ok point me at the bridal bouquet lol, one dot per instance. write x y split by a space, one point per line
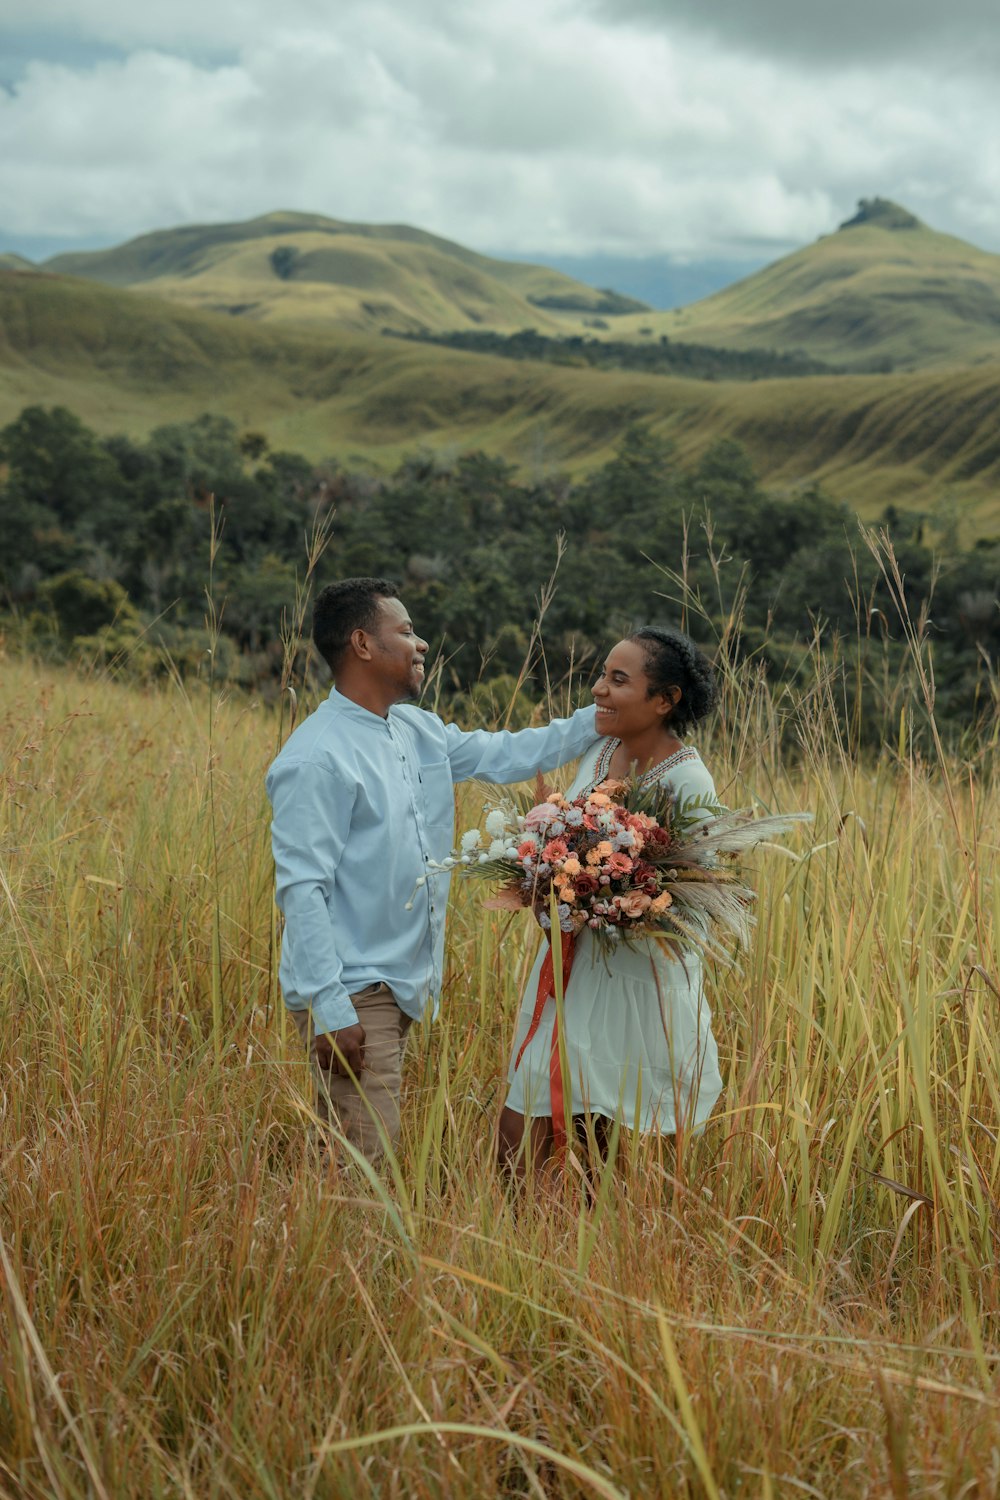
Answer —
623 861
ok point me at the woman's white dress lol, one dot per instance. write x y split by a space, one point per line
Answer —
637 1024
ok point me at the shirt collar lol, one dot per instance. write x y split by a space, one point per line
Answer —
344 705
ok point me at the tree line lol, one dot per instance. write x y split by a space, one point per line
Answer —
661 356
105 547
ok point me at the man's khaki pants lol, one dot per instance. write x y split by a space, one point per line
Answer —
348 1106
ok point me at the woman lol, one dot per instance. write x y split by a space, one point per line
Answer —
637 1026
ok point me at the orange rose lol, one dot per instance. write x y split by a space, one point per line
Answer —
612 785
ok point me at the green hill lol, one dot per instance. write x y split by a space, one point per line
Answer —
302 268
883 289
882 292
12 262
127 362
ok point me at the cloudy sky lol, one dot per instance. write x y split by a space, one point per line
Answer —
699 131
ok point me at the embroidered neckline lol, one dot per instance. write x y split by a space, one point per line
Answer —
686 752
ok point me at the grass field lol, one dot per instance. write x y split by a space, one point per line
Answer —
803 1301
126 362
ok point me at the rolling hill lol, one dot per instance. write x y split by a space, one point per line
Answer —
883 289
129 362
305 269
883 292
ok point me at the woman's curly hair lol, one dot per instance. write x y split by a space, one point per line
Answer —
672 660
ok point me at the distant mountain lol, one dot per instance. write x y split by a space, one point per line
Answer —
660 281
11 262
883 291
303 268
128 362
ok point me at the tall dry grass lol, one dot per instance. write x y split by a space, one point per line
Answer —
804 1300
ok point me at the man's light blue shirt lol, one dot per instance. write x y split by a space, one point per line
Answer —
362 805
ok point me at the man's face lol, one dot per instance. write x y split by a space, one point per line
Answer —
397 651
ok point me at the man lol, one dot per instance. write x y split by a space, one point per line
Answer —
363 806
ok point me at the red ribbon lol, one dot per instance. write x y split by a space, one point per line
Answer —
546 989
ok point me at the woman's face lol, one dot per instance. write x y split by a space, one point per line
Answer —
624 707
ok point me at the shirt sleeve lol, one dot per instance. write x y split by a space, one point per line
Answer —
311 818
516 755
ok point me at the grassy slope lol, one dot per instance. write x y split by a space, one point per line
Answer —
913 296
354 275
128 362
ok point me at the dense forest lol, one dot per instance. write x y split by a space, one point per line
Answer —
107 554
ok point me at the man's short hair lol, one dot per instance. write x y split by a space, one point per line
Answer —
344 607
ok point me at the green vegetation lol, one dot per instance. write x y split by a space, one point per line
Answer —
129 363
883 212
665 357
804 1299
97 538
609 303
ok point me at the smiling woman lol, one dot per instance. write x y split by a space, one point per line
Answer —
655 685
638 1038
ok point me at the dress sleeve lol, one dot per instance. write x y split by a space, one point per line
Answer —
691 781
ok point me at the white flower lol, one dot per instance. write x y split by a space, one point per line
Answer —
511 851
484 859
498 849
496 823
470 840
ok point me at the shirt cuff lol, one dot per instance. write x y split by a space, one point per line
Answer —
333 1014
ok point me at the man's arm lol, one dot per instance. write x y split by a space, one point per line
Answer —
515 756
312 816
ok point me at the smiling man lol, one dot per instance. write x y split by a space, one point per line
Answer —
363 806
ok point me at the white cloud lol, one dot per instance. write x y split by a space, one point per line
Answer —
526 125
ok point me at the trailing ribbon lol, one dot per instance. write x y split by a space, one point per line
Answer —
546 989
